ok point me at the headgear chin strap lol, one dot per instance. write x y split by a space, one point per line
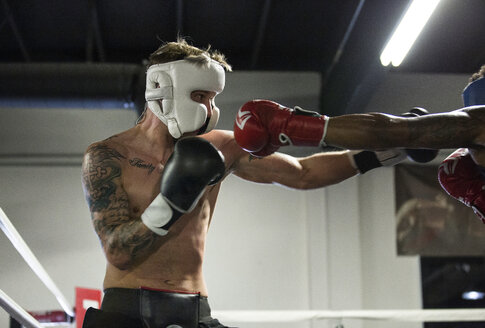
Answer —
173 83
474 93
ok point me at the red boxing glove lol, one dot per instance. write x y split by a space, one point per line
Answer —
461 178
262 126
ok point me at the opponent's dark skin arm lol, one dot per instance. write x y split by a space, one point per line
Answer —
123 237
460 128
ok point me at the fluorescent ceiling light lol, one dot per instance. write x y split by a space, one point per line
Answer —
407 31
473 295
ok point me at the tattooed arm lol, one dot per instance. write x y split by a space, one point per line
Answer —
124 238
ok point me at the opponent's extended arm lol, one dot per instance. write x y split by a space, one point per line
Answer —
194 165
262 126
374 131
463 179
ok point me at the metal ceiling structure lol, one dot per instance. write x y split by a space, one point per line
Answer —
83 51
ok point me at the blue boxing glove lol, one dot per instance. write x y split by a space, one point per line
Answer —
194 164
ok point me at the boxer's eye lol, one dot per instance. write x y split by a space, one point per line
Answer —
198 96
202 96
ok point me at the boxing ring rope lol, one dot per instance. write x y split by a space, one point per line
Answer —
281 316
19 314
441 315
29 257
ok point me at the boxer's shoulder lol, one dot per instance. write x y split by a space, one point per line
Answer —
218 137
475 120
108 149
224 141
478 155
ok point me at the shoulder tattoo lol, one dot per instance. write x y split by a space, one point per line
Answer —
100 169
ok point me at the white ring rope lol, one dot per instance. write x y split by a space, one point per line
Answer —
15 311
441 315
431 315
29 257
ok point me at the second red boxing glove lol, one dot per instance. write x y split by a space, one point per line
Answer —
262 126
461 178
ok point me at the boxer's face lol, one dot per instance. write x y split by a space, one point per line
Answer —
206 98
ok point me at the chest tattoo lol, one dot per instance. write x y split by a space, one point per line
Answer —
137 162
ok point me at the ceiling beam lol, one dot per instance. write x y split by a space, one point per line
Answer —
179 11
93 37
15 30
352 81
343 42
260 35
71 85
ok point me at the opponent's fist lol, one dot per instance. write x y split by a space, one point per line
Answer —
461 178
262 126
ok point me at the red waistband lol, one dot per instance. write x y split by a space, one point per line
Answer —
170 291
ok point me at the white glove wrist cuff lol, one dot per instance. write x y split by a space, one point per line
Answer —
157 215
351 154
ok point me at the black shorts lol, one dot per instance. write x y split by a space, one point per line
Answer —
149 308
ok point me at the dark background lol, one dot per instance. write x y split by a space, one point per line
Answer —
342 40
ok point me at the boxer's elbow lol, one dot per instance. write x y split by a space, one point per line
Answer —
122 260
324 169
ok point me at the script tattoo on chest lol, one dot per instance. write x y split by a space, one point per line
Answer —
137 162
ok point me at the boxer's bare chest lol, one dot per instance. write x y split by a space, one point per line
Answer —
140 175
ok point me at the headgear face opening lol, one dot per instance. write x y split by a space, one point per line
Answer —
173 83
474 93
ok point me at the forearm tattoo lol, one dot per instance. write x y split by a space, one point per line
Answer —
109 204
251 158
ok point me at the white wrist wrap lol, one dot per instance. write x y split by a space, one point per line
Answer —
351 154
325 127
157 215
391 157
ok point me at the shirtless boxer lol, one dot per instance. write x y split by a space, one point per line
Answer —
262 126
152 190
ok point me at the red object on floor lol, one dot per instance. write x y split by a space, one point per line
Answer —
50 316
86 298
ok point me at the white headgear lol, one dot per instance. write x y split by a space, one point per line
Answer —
173 82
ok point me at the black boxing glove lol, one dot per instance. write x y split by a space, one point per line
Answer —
194 164
420 155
